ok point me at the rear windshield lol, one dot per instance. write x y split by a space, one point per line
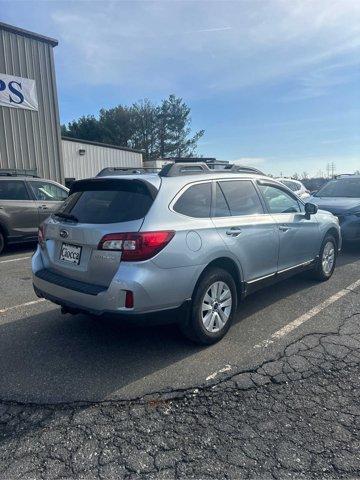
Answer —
108 202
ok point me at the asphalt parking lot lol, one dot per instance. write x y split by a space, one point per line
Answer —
50 357
86 382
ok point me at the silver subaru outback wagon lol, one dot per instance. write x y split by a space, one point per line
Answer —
188 239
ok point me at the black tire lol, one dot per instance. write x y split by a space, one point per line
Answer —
194 328
320 272
2 242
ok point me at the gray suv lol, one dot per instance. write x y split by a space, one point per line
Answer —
188 238
25 202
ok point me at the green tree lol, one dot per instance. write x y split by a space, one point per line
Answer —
86 128
144 128
160 130
174 124
162 122
117 126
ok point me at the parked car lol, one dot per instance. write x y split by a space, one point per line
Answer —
189 239
341 197
296 186
25 202
314 184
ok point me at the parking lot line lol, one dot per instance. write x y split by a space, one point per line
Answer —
308 315
27 304
14 259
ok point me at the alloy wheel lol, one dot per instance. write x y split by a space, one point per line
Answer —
216 307
328 257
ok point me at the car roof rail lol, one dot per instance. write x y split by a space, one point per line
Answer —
244 169
127 171
18 172
184 168
196 168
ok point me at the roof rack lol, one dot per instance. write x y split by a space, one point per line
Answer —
127 171
233 168
17 172
178 169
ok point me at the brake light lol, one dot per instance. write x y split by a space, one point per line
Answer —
41 236
136 246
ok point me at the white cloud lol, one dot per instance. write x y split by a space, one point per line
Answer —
206 47
321 81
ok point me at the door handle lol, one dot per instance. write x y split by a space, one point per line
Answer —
233 231
284 228
44 207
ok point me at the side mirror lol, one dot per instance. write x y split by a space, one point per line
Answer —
310 209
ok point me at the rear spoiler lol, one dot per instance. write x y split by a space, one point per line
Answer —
104 184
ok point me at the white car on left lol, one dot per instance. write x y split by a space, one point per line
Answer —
297 187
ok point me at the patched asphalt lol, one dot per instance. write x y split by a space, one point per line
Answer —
297 416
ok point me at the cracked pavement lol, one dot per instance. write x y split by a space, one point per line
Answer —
77 401
295 416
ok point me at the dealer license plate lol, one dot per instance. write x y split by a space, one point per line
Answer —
70 253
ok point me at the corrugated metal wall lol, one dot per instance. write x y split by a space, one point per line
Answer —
30 139
95 159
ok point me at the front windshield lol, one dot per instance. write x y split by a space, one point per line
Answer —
346 187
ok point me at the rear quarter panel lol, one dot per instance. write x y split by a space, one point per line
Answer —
196 242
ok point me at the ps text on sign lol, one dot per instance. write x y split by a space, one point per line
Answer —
18 92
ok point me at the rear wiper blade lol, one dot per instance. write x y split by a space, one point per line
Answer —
67 216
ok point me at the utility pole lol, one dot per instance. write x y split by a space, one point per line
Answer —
328 170
333 166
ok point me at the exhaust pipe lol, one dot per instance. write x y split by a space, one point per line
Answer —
71 311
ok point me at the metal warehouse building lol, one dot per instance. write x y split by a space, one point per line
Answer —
30 137
29 116
84 159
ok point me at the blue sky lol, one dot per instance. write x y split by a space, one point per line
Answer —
274 83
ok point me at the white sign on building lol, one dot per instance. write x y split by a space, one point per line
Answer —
17 92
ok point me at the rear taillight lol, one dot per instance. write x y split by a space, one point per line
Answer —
41 236
136 246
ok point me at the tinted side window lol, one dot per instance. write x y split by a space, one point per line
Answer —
279 201
241 197
195 201
48 191
13 190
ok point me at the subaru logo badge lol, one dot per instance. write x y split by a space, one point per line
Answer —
64 233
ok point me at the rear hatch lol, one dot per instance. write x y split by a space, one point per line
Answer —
95 208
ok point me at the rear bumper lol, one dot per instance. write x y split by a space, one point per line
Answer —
159 317
155 289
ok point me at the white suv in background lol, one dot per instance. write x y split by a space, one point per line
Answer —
296 186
